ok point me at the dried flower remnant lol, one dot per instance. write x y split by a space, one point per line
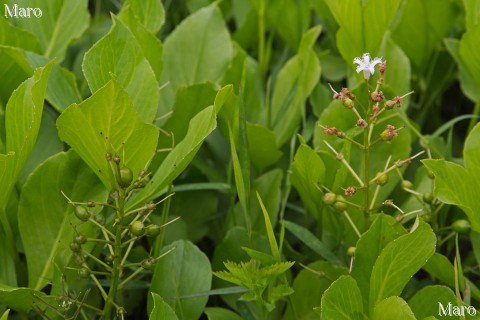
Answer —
389 133
366 65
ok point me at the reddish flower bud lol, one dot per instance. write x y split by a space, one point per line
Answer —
362 123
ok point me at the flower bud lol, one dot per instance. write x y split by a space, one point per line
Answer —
340 205
377 96
407 184
329 198
381 179
361 123
350 191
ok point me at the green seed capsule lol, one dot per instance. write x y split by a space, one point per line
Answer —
407 184
109 258
148 264
137 228
152 230
428 197
329 198
382 179
80 239
126 176
78 258
340 205
82 213
461 226
351 251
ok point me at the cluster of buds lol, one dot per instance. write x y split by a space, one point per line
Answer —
345 96
389 133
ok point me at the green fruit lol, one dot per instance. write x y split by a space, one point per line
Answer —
148 264
381 179
78 259
427 197
109 258
329 198
351 251
84 272
461 226
82 213
126 176
80 239
340 205
152 230
407 184
75 247
137 228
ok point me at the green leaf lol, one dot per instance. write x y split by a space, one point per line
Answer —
309 285
392 308
383 230
45 214
294 83
422 19
307 175
240 183
262 146
18 299
454 184
469 55
221 314
342 300
13 71
151 46
399 261
5 315
16 37
198 50
312 242
119 55
22 122
161 310
62 22
184 271
149 12
107 122
426 301
177 160
271 236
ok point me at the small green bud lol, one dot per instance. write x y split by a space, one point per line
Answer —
75 247
84 272
126 176
78 258
329 198
109 258
137 228
80 239
148 264
461 226
347 103
427 197
82 213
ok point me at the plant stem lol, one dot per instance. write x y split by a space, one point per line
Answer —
366 156
261 38
117 248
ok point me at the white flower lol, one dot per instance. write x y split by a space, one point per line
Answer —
365 65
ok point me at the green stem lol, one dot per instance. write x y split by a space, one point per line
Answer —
117 248
366 178
474 120
261 38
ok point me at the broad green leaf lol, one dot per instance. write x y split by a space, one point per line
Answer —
426 301
312 242
399 261
262 146
342 300
309 286
383 230
198 50
471 13
392 308
363 25
184 271
177 160
47 145
397 77
18 299
216 313
45 214
439 267
151 46
468 53
454 184
118 55
149 12
307 176
294 83
14 69
107 122
62 88
467 83
62 22
422 18
161 310
16 37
